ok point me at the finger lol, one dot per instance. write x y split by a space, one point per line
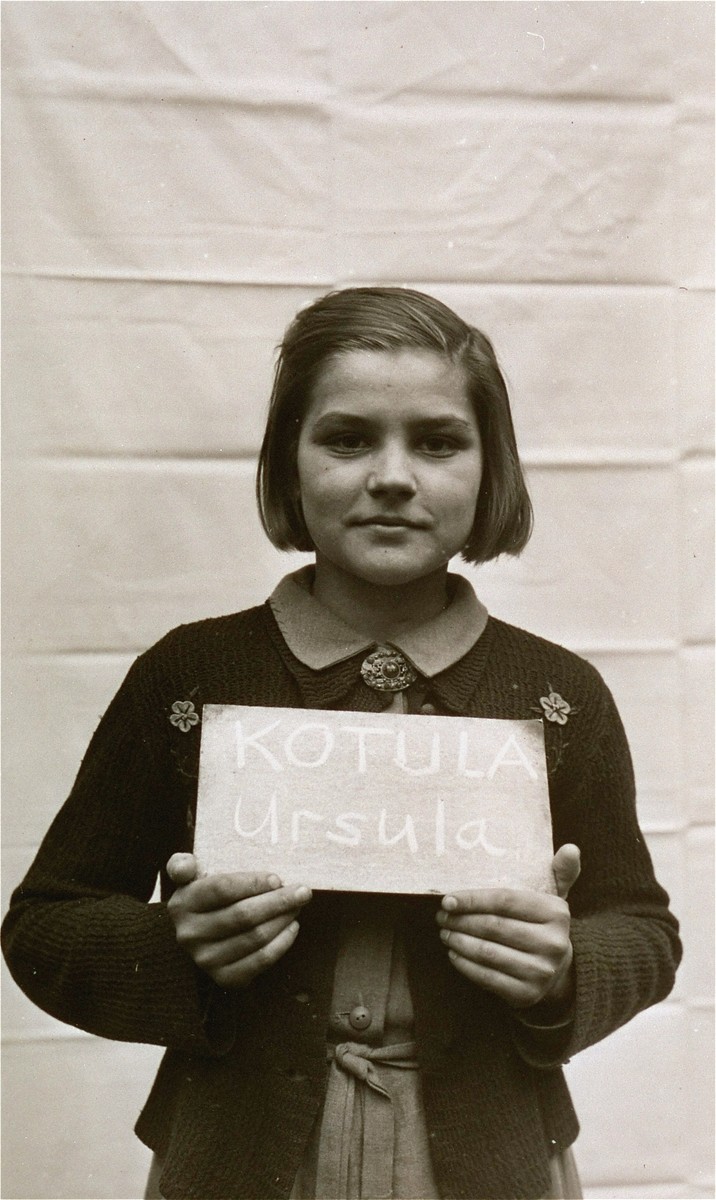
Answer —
240 974
232 950
566 866
182 869
521 905
220 891
533 969
515 992
529 936
241 917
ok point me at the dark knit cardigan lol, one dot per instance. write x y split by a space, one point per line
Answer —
244 1074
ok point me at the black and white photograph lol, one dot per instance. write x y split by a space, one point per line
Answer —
358 600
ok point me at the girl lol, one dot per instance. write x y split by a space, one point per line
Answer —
342 1045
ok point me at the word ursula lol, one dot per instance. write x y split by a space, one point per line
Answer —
355 827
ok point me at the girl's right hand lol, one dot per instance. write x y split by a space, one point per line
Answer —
233 926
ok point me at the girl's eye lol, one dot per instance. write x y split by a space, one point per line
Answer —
347 443
439 446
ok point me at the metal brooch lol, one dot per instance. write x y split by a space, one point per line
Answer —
387 670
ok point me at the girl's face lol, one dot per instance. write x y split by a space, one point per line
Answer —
389 464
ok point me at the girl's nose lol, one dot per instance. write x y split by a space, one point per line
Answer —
392 471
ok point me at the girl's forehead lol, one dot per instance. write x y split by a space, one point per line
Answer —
375 374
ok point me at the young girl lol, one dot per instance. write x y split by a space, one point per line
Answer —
342 1045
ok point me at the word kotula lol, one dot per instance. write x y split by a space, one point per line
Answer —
311 745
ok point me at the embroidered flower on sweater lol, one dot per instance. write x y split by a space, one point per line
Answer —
555 708
184 715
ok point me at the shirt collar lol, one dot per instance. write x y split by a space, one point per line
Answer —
320 639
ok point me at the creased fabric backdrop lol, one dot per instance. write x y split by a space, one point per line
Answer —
179 179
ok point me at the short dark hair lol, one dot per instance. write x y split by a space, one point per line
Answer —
391 319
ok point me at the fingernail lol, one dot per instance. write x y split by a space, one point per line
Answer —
441 917
294 928
302 894
274 882
445 935
449 903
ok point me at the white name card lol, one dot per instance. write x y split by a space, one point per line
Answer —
374 802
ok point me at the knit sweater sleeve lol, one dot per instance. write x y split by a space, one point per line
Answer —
81 937
625 939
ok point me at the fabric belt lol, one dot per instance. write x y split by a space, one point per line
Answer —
369 1109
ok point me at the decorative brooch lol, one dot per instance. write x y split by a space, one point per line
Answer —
555 708
184 715
387 670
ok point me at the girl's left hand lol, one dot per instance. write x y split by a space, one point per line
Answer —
514 943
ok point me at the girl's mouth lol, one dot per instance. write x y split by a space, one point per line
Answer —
385 521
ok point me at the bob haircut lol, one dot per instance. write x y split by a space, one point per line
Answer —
391 319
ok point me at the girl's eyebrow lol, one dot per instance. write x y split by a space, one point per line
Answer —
336 417
446 424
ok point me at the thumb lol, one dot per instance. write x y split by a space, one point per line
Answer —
182 869
566 868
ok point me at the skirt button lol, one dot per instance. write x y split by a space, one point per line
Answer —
360 1017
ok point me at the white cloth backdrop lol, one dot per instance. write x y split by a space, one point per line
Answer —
179 179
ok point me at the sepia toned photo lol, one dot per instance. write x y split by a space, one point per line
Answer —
358 600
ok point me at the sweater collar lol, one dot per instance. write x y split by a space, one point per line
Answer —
320 639
339 685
